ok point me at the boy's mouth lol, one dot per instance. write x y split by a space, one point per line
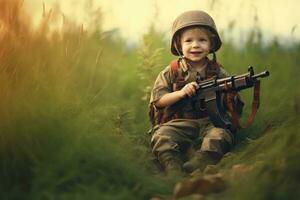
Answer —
195 52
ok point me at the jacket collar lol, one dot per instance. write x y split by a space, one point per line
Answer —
184 65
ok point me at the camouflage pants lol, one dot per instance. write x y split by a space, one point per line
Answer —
182 134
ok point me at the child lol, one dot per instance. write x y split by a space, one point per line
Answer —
176 129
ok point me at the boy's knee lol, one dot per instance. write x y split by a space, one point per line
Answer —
162 143
217 140
219 134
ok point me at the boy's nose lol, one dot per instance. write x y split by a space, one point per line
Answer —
195 45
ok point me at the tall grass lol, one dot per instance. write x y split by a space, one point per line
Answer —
62 113
271 142
73 112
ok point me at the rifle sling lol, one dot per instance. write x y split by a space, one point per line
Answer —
230 106
255 106
255 103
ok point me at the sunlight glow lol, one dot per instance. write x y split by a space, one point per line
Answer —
133 17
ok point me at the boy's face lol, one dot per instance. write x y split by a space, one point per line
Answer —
195 44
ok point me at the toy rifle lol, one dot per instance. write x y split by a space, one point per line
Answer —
210 91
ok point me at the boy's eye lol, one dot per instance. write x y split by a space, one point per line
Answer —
188 40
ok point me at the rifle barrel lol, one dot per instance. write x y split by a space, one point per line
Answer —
262 74
231 80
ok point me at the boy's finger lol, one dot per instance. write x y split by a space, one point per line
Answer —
193 90
195 85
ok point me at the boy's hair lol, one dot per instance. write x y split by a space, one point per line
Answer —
211 36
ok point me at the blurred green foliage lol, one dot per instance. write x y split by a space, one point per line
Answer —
74 122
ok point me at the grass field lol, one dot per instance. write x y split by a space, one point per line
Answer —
73 113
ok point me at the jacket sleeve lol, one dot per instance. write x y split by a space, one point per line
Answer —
162 85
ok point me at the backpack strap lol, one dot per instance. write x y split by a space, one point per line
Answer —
176 75
174 67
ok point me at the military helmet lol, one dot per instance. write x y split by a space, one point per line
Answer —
194 18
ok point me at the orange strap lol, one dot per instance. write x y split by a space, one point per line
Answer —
177 76
174 71
230 103
174 66
255 106
255 103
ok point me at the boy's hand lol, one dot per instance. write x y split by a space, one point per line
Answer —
189 89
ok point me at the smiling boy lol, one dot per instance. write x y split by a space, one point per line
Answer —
177 129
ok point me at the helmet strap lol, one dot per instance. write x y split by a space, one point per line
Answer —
182 57
177 50
214 57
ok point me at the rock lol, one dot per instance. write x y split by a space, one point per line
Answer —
228 154
211 169
193 197
199 185
157 197
240 170
197 197
196 173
